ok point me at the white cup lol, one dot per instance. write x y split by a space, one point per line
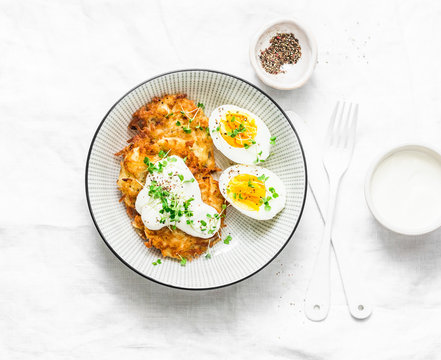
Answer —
403 189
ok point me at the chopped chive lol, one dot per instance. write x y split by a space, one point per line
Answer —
178 123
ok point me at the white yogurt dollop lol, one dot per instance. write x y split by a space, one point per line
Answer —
406 190
184 195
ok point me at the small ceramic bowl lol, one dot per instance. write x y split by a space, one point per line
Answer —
296 75
407 199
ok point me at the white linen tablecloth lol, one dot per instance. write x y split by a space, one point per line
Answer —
65 296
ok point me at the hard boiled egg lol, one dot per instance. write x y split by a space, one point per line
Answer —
240 135
254 191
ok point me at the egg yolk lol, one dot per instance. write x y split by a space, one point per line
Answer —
246 191
238 130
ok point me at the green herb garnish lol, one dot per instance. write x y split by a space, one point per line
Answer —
162 154
273 140
273 191
237 131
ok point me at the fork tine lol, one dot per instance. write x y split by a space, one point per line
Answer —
340 127
331 126
346 124
353 127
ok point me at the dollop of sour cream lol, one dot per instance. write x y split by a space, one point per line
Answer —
406 190
173 191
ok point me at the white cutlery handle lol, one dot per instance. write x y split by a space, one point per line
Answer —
318 294
359 307
317 298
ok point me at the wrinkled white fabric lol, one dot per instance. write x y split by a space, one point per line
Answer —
64 295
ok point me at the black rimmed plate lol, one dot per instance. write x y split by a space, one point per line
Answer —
255 243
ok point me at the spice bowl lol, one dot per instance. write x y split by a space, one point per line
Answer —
292 76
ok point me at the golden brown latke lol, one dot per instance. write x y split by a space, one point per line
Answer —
156 129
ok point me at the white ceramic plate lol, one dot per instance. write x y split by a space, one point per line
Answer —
255 243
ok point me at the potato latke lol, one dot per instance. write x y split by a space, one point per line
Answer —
164 124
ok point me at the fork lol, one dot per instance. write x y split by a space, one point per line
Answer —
339 146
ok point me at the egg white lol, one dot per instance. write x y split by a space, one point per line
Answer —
240 155
277 204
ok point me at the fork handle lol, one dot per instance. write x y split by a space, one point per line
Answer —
357 300
317 298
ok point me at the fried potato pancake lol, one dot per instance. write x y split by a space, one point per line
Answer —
164 124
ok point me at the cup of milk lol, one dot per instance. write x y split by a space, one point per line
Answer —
403 189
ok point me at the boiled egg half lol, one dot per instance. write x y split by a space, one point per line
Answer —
254 191
240 135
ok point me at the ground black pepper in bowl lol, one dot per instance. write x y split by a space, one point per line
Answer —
284 49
